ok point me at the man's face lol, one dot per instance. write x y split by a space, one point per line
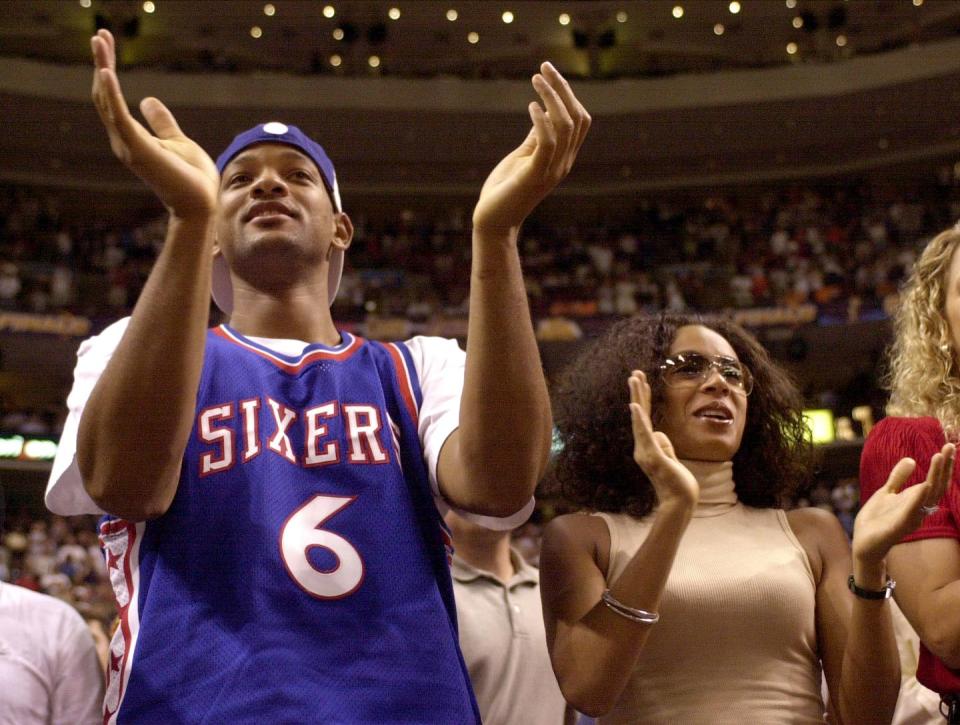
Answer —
274 208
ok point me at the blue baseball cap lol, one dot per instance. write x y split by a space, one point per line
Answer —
276 132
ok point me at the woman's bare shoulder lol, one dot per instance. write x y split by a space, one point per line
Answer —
819 533
579 532
813 519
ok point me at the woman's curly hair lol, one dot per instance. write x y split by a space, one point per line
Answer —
595 467
922 374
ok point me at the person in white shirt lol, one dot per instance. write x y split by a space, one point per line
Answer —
48 663
49 672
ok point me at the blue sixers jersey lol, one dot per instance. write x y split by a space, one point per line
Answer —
301 573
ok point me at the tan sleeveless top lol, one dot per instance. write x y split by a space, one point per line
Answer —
736 641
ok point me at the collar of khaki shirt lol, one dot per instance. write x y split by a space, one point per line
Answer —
523 573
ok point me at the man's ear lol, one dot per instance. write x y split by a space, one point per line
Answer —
216 249
343 231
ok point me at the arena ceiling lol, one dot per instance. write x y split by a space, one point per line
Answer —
389 152
601 39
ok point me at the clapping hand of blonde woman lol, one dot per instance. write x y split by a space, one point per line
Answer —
654 453
181 173
891 514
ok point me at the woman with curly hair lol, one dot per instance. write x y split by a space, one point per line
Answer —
690 595
924 416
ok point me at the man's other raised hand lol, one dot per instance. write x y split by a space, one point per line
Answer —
531 171
180 173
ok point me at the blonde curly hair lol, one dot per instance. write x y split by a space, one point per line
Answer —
922 376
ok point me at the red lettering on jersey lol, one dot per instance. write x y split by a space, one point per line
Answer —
250 411
223 437
317 430
363 426
280 442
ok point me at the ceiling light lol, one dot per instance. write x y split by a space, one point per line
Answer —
335 60
328 11
269 10
792 48
677 11
841 41
452 15
473 38
374 61
917 3
148 6
564 19
797 22
338 33
507 17
718 29
85 3
393 13
734 7
256 31
621 17
791 4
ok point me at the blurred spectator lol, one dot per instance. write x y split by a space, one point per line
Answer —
62 290
49 669
101 641
10 284
916 705
501 628
843 248
60 557
48 663
558 328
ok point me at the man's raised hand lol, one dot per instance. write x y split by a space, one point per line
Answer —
180 173
531 171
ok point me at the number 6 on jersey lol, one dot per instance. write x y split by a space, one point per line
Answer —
301 533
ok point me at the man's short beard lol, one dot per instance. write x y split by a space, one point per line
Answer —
274 264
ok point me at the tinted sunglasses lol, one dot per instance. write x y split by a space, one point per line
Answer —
693 368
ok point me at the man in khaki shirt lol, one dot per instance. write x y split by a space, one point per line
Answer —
501 629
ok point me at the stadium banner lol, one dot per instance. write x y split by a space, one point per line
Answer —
64 324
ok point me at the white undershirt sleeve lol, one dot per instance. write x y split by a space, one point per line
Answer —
65 492
440 365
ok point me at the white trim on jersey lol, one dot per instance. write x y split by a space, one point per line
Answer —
118 546
395 435
257 346
403 371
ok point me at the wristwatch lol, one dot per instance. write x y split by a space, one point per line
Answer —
884 593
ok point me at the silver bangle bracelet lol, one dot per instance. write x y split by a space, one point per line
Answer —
633 614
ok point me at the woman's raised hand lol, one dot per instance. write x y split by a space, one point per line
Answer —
891 514
653 451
